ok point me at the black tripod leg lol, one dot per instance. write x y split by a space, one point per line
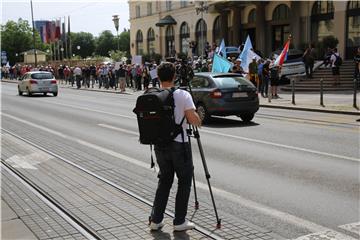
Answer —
197 136
195 193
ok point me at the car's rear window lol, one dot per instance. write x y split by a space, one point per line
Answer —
45 75
231 82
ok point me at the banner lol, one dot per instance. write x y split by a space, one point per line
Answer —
137 60
153 73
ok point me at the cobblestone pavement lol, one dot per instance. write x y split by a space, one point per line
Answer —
106 210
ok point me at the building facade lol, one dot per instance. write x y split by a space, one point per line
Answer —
169 27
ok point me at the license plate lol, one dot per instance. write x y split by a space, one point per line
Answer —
44 89
239 94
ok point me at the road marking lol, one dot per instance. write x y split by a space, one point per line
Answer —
352 227
283 216
281 145
118 129
17 161
249 140
326 235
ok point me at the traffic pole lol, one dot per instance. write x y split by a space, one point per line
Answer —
321 93
293 91
355 92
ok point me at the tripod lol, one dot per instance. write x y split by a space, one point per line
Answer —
193 131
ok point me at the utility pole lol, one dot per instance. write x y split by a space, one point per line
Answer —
32 17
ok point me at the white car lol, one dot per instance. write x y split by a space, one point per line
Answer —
38 82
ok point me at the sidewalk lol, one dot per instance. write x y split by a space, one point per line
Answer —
334 102
340 102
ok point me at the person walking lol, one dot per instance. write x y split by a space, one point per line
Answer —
265 79
253 71
77 74
175 158
309 60
335 67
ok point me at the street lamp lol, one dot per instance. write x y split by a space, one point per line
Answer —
201 7
62 53
116 23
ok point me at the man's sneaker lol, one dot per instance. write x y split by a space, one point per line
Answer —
187 225
156 226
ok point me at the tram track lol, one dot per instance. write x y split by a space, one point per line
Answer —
71 218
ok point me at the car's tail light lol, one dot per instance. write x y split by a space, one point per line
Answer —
33 82
53 81
216 94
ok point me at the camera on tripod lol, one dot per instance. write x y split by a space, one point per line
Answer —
184 73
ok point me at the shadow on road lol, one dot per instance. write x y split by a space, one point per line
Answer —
219 122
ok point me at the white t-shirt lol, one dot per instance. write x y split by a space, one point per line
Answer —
183 101
333 59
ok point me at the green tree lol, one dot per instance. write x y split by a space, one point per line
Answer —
16 37
124 41
105 43
86 42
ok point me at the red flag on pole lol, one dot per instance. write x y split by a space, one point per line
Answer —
283 55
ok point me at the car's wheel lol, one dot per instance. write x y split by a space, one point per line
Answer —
28 92
19 91
203 113
55 94
247 117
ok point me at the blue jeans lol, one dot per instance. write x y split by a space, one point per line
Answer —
173 158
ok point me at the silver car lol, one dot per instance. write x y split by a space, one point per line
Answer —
38 82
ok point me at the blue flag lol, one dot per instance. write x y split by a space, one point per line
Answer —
220 64
247 47
222 48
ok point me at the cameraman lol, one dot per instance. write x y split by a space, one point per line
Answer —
175 157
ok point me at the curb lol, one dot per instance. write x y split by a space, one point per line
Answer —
311 109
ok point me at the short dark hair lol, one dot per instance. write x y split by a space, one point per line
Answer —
166 72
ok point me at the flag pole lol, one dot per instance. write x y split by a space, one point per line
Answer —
32 18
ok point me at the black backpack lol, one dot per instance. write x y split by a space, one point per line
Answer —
338 61
155 115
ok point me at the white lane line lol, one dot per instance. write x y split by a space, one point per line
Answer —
352 227
282 145
282 216
118 129
233 136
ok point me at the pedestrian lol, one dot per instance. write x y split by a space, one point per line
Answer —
274 81
309 60
138 76
335 67
253 71
146 77
121 76
259 73
327 57
237 67
92 75
77 75
357 65
175 157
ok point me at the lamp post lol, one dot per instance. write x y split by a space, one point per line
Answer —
116 23
201 7
62 53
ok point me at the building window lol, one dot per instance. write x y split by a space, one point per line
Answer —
252 16
149 8
353 28
200 35
139 43
168 5
281 26
137 10
322 20
151 41
184 38
217 31
183 3
281 12
170 42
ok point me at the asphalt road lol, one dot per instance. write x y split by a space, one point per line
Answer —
292 172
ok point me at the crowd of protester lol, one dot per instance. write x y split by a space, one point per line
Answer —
138 76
